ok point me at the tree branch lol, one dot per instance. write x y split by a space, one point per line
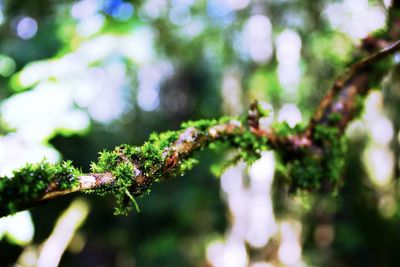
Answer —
129 171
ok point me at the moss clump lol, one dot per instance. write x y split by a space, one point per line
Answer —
306 173
135 168
201 125
334 118
250 146
204 124
321 166
126 163
30 183
283 129
335 148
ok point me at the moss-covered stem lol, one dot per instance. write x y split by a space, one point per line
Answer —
88 181
312 153
125 168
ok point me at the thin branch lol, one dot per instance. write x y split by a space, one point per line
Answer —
341 98
86 182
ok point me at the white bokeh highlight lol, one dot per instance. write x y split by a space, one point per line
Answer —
257 38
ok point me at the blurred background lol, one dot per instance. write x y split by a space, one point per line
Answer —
77 77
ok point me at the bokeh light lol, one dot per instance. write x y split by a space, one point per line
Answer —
1 17
290 113
290 250
346 16
257 38
7 66
65 228
18 228
26 28
379 159
288 49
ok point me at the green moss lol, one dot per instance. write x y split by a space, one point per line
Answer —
107 160
127 163
283 129
306 173
249 145
135 168
30 183
204 125
315 169
187 165
201 125
124 180
334 118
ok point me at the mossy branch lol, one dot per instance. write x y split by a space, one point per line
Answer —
127 168
314 153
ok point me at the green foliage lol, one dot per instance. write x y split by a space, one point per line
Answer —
31 182
107 160
359 103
